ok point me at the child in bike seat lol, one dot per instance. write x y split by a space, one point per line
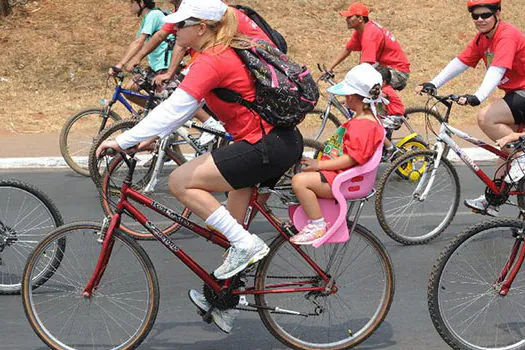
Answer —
353 143
392 112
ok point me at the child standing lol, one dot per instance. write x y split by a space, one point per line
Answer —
353 143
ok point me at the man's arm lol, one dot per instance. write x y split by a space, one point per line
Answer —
176 57
133 49
146 49
341 56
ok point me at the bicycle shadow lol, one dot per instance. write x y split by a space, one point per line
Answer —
247 333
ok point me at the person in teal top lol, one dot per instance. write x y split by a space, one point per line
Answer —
151 23
152 20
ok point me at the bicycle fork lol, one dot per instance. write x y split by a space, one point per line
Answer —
439 147
103 258
506 282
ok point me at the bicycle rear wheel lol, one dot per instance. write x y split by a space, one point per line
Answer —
78 134
118 315
312 123
112 182
463 291
26 216
364 281
402 211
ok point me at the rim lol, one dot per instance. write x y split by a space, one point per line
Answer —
469 305
359 303
75 320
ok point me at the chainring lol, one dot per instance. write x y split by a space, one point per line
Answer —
497 199
226 301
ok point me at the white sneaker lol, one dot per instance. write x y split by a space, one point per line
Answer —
205 137
517 170
238 259
223 319
481 204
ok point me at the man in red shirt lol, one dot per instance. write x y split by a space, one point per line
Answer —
377 45
501 46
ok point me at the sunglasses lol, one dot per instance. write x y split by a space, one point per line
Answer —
484 15
187 23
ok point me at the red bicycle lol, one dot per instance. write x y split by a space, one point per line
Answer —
104 292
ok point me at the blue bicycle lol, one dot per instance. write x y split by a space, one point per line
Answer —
80 130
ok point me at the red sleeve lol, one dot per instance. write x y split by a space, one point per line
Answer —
201 78
471 55
361 139
504 52
353 44
371 41
169 28
396 106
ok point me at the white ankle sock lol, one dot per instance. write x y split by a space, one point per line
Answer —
223 221
318 222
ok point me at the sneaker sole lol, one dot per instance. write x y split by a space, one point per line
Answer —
202 312
258 256
488 212
310 242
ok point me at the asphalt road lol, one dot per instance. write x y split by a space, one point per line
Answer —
407 326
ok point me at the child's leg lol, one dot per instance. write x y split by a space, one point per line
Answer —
308 187
388 143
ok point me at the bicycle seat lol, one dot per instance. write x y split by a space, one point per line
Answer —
353 184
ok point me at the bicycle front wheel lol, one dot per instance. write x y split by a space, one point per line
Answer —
364 282
26 216
78 133
463 291
412 209
120 312
144 181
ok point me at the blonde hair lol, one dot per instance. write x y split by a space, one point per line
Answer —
224 32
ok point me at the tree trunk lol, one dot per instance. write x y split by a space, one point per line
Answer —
5 9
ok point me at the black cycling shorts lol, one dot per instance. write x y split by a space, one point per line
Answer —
241 163
516 102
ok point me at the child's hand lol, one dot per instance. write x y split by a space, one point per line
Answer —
310 164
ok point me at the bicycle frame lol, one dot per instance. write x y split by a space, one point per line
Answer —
444 137
124 206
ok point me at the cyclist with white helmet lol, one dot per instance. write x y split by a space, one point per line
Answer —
501 46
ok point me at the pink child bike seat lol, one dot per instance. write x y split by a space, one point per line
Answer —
353 184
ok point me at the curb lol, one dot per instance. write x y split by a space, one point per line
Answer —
476 154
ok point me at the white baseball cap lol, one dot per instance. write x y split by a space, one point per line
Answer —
359 80
212 10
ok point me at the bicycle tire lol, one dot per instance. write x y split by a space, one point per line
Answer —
109 189
316 116
33 215
65 144
467 276
430 140
390 181
90 320
309 339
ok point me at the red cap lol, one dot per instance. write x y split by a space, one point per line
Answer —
355 9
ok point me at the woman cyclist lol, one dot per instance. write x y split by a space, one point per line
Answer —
210 27
501 46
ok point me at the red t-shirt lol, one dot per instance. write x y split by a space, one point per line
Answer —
377 44
396 106
360 141
225 70
506 49
246 27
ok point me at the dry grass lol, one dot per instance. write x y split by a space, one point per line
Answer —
55 53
